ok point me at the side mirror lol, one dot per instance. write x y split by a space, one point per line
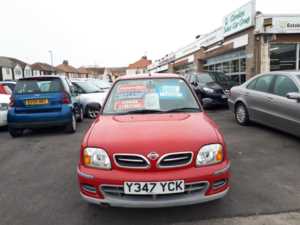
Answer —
294 96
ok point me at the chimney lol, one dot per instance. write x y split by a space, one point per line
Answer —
65 62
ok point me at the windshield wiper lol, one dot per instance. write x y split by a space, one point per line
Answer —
184 109
144 111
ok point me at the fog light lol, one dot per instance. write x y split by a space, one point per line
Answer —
219 183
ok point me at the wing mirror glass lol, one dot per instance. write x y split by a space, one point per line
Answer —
294 96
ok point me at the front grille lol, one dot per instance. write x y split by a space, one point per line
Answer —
219 91
175 160
131 161
117 191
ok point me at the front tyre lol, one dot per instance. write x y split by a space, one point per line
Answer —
72 125
80 114
14 132
241 114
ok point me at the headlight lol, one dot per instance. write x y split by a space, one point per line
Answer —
3 107
208 90
96 157
210 154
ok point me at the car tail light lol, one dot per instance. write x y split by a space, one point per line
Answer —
66 99
12 102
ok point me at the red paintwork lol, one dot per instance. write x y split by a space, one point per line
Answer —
142 134
3 90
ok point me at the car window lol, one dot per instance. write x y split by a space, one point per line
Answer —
298 77
251 85
39 85
87 87
205 78
284 85
150 94
263 83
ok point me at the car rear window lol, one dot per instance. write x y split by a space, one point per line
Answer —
155 94
38 86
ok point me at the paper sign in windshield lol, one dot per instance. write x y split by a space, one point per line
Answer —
127 105
170 91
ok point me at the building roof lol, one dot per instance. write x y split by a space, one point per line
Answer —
66 68
83 70
42 67
11 62
116 71
140 64
96 70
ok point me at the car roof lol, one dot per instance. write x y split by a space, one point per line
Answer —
149 75
43 76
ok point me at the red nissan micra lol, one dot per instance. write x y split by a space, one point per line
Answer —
152 146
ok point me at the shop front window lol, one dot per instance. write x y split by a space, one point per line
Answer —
243 65
283 56
226 67
235 66
219 67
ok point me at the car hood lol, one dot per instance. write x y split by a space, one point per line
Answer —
93 97
162 133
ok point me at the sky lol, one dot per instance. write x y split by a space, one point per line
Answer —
112 32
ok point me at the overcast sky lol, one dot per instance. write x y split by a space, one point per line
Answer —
112 32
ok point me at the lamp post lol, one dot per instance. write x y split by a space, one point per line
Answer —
51 56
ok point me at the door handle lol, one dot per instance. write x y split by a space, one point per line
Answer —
247 93
270 99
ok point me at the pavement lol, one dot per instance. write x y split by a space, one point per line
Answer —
39 185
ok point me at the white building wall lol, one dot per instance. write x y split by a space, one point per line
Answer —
7 73
18 72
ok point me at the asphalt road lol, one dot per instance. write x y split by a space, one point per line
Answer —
38 182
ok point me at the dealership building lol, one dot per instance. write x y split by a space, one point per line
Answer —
248 43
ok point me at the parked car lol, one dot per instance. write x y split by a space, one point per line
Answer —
272 99
9 84
5 90
90 97
43 102
4 102
153 146
208 90
102 84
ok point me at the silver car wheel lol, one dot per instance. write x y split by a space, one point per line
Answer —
93 113
74 122
241 114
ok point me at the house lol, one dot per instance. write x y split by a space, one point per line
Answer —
112 73
83 72
13 69
67 70
139 66
39 69
96 72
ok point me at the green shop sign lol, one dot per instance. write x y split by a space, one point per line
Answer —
240 19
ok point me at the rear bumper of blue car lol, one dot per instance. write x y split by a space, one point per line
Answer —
39 120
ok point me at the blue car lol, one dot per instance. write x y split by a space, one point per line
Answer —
44 101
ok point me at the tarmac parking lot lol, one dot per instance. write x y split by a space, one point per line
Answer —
39 184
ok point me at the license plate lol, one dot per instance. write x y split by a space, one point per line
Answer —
154 188
36 102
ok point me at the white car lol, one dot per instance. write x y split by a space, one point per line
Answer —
4 102
90 97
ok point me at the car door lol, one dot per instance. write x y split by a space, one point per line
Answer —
285 111
258 98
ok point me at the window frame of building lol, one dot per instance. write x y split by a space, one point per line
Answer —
294 57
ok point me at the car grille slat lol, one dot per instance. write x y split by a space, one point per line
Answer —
175 160
133 161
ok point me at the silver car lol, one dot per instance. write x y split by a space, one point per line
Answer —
272 99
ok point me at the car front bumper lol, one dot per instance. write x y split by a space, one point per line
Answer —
114 180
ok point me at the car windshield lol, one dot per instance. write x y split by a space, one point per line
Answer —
102 84
38 85
153 95
298 77
205 78
88 86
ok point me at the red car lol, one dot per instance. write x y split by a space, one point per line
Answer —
152 146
